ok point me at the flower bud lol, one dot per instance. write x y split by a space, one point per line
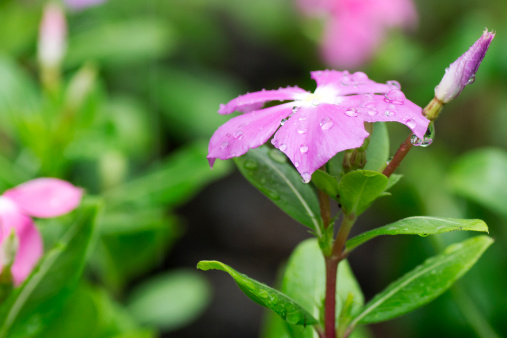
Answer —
8 249
462 71
52 36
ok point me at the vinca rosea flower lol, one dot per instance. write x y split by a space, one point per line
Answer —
462 71
52 36
313 127
355 28
43 198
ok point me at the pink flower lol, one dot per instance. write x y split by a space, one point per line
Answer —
42 197
312 128
356 28
462 71
52 36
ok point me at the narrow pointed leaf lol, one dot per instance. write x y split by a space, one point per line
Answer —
425 282
305 281
270 172
36 302
358 189
420 225
263 295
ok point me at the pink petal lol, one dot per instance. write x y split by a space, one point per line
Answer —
315 134
30 241
345 83
396 12
45 197
247 131
392 106
253 101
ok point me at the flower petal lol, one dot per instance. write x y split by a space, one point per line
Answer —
385 108
45 197
247 131
344 83
30 242
315 134
253 101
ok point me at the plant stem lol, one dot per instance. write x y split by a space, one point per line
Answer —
398 156
332 262
325 210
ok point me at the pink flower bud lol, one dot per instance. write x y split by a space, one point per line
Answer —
462 71
81 4
52 36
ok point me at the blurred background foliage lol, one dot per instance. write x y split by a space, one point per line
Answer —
129 121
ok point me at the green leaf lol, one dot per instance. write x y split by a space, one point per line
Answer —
425 282
170 301
170 184
326 183
263 295
419 225
36 302
393 179
269 171
481 176
377 152
358 189
304 281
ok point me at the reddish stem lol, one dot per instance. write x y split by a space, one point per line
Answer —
330 303
398 157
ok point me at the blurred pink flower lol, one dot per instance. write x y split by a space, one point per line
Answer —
356 28
52 36
81 4
312 128
462 71
42 197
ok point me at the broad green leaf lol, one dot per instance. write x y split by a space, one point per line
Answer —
270 172
377 152
36 302
326 183
263 295
393 179
481 176
358 189
305 279
169 301
419 225
120 43
172 183
425 282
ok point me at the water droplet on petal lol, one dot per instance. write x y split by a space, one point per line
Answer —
411 124
296 164
238 133
306 177
303 148
326 123
250 165
471 79
224 145
428 136
346 79
282 122
301 130
367 98
416 141
315 102
295 109
390 111
302 118
393 84
283 147
394 96
352 112
359 77
372 110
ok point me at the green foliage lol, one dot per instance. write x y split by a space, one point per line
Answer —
169 301
269 171
358 189
419 225
482 177
282 305
377 152
425 282
36 302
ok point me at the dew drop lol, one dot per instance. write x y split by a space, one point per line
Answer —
273 298
394 96
283 147
411 124
272 194
238 134
282 122
296 164
429 135
277 156
389 113
262 293
315 102
250 165
367 98
359 77
346 79
471 79
302 118
352 112
303 149
326 123
301 130
372 110
224 145
393 84
416 141
306 177
295 109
